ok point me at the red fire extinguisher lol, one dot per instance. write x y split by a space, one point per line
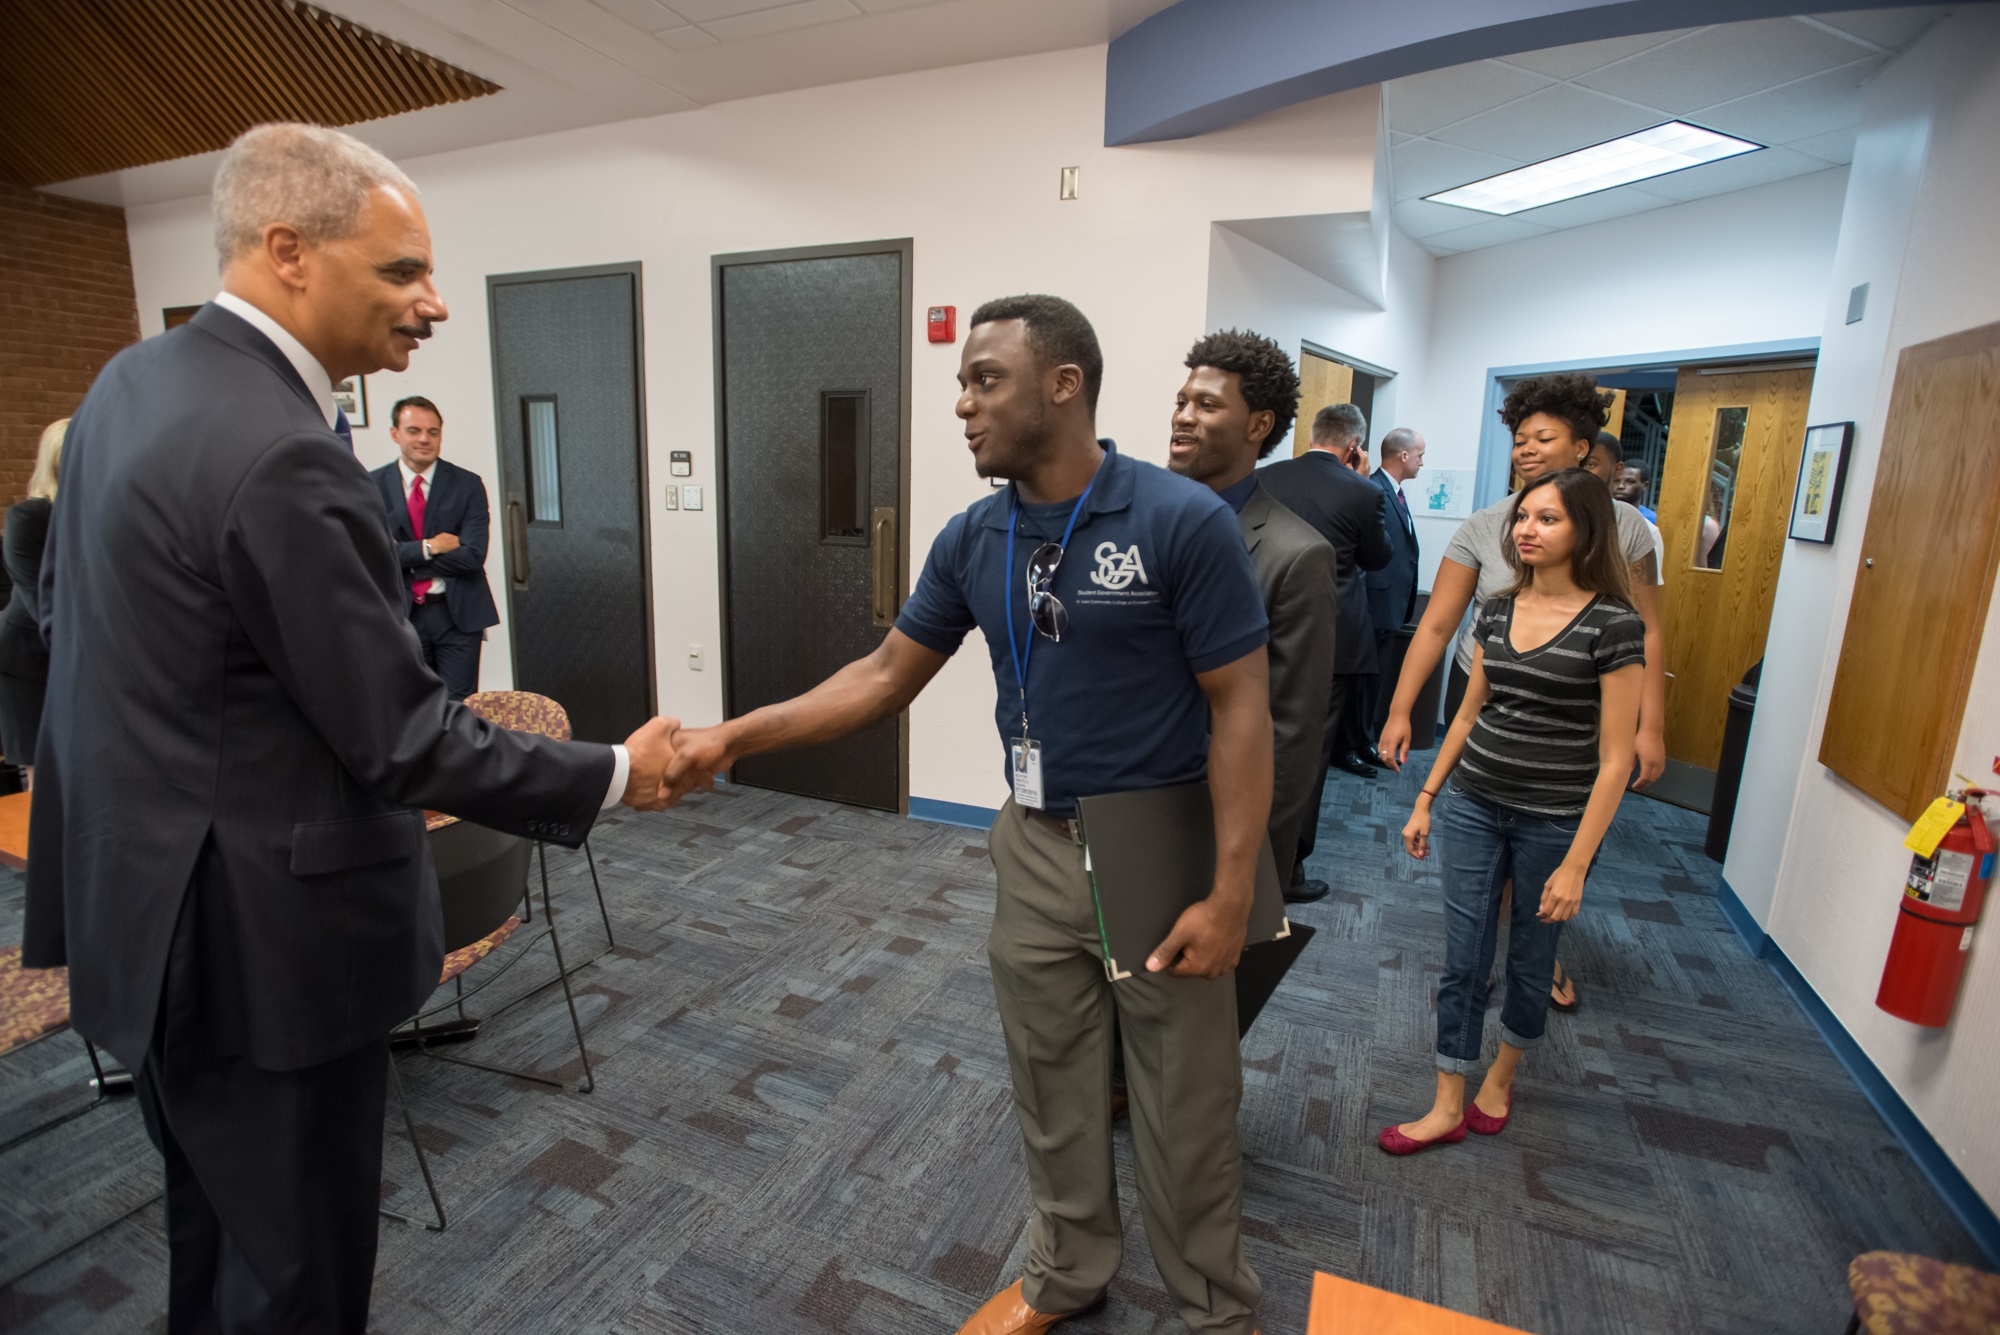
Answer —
1941 903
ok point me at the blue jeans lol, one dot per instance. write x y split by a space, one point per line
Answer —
1480 845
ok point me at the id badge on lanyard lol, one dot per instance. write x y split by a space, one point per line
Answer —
1024 754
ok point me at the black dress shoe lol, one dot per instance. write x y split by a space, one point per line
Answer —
1354 763
1306 892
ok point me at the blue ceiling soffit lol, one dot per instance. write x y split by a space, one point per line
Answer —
1200 65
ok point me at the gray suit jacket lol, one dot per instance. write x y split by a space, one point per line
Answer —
1296 570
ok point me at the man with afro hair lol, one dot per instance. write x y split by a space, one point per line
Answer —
1237 404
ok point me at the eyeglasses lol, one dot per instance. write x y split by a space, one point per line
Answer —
1045 611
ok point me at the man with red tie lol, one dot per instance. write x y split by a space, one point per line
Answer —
438 518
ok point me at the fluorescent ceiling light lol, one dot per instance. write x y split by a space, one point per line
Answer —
1672 147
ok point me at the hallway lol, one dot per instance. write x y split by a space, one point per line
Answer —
797 1026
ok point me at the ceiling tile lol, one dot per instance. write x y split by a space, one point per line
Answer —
1492 232
685 38
1727 61
1587 209
1420 218
1836 146
1423 102
804 14
1891 29
1829 101
1566 62
701 11
1425 166
645 15
1714 178
1559 119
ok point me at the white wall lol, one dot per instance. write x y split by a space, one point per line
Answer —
1820 865
965 161
1746 267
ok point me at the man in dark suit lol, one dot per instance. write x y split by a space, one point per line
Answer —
1392 590
1346 509
229 848
438 519
1237 404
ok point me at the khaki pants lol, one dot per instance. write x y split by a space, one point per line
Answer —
1184 1076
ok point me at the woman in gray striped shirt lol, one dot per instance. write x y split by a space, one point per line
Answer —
1538 756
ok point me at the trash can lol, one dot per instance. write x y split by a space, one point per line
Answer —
1729 770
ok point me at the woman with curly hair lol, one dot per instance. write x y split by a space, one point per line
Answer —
1537 759
1555 420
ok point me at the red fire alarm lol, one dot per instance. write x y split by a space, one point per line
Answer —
943 324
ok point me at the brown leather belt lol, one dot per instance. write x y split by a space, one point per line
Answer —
1056 825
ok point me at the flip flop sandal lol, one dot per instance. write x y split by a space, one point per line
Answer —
1562 980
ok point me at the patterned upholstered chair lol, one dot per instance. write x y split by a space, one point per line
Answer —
34 1004
524 711
1896 1293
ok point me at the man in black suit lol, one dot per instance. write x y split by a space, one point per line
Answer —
1237 404
240 735
1392 590
438 519
1346 508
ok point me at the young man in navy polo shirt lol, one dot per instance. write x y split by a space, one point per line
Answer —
1136 660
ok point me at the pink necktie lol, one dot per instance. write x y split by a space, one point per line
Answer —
417 587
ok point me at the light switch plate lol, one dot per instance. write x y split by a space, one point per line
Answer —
690 498
673 498
680 463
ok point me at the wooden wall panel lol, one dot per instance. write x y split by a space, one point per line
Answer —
1925 578
90 86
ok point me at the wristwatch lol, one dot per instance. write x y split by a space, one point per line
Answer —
427 549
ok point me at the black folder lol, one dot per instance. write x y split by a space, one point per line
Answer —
1150 855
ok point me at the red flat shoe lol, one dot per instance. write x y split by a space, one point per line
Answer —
1486 1124
1393 1141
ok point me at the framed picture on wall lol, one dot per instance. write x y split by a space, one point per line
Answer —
352 396
1822 475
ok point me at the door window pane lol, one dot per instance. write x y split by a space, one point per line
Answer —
1725 463
843 465
544 472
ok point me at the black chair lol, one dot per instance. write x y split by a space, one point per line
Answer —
482 877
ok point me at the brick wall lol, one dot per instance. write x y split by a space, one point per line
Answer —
66 306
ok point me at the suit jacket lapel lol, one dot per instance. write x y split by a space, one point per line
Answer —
390 483
1256 513
1403 516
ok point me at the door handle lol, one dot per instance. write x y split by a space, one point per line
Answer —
882 557
517 544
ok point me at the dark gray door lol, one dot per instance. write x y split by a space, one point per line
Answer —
571 513
812 381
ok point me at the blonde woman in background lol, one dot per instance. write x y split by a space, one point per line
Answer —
24 659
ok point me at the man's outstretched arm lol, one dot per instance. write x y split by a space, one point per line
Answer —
864 692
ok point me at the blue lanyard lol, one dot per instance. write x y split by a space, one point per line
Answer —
1020 655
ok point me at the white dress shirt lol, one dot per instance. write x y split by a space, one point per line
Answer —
320 385
435 588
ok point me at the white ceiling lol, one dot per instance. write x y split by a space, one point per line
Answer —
1790 84
562 64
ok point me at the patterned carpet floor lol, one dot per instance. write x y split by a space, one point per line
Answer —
802 1119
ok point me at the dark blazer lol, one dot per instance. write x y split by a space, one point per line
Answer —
239 724
1392 590
1346 509
22 653
454 503
1295 572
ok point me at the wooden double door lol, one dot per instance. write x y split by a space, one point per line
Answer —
1732 460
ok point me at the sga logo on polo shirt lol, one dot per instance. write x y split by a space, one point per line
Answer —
1115 569
1119 569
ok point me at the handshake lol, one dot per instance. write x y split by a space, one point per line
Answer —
669 762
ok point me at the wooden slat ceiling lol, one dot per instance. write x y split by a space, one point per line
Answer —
89 86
